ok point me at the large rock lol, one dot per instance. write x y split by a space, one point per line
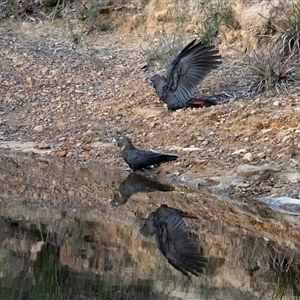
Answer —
256 172
284 204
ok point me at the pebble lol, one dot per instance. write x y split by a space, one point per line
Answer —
264 131
281 134
285 139
90 132
43 145
248 157
70 154
201 138
87 147
240 151
261 155
38 128
77 91
62 153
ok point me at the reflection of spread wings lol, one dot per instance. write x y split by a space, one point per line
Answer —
173 240
178 247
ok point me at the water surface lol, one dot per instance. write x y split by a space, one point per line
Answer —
70 231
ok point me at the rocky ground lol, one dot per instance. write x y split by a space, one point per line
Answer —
68 99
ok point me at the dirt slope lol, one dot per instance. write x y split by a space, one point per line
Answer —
70 99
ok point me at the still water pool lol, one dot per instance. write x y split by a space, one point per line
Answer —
69 231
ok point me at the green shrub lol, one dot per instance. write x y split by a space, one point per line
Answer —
213 23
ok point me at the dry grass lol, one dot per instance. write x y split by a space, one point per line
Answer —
272 69
287 27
